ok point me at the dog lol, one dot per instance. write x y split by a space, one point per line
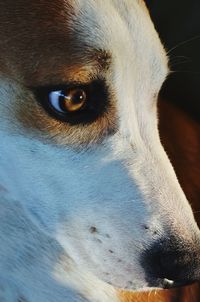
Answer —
89 201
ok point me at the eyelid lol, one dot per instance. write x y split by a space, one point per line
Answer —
67 85
59 87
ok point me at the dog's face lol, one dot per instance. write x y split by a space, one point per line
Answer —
80 147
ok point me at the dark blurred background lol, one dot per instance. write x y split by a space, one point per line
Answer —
178 24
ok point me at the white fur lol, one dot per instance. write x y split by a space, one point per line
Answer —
54 196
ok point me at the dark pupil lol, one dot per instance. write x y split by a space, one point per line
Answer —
72 100
77 97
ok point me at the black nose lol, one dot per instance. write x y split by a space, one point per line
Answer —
176 262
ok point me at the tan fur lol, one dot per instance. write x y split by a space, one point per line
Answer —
182 294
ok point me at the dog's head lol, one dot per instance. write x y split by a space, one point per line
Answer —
80 147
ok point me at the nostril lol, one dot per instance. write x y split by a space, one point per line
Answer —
175 265
171 264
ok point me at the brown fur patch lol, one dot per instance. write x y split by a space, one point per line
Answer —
38 45
32 35
37 48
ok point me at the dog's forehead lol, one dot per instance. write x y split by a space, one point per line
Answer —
49 40
124 29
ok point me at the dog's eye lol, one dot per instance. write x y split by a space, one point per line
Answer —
74 104
71 100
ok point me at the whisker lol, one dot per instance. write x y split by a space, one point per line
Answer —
176 60
196 212
182 43
184 57
185 71
176 63
150 293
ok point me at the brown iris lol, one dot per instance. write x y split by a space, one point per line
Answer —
72 100
72 103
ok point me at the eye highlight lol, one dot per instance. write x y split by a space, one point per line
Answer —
70 100
74 103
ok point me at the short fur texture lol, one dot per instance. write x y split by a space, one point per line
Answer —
82 205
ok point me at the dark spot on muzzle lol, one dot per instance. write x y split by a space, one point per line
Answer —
93 230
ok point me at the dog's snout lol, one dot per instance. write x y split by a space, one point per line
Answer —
176 265
174 261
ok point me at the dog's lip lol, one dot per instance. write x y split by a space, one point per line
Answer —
165 283
160 284
168 284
